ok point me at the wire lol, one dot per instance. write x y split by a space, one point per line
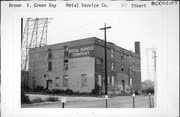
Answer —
74 29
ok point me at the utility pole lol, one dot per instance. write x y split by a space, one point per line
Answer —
106 93
153 55
21 30
155 80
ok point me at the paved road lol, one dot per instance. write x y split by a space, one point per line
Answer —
95 102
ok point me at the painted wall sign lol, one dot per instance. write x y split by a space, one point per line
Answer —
81 51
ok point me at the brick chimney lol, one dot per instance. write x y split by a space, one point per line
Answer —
137 48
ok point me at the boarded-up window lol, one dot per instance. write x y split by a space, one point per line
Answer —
49 66
65 81
50 53
57 81
99 61
122 55
65 64
84 80
66 51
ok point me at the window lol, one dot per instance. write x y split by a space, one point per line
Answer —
57 81
49 66
122 55
50 53
130 59
49 84
122 69
65 81
108 80
99 80
112 66
130 82
65 64
123 85
99 61
112 80
112 53
66 51
130 70
84 80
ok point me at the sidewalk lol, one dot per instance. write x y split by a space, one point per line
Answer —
39 104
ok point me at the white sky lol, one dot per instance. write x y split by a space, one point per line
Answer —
127 27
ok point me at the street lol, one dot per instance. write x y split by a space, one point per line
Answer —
95 102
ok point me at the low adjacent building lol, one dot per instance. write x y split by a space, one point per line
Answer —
79 65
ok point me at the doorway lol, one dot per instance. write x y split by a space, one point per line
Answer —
49 84
123 85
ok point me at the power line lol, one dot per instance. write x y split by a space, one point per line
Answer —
74 29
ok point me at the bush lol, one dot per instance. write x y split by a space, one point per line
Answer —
95 91
136 93
53 99
69 92
64 92
26 88
123 94
149 90
56 91
39 89
24 97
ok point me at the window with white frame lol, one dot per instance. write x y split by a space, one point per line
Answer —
112 53
112 66
108 80
112 80
99 80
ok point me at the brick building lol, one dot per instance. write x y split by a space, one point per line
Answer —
79 65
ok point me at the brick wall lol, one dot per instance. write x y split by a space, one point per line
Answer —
39 74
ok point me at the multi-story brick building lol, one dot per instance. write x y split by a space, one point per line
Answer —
79 65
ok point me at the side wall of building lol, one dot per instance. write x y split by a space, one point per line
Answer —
85 67
59 77
123 65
